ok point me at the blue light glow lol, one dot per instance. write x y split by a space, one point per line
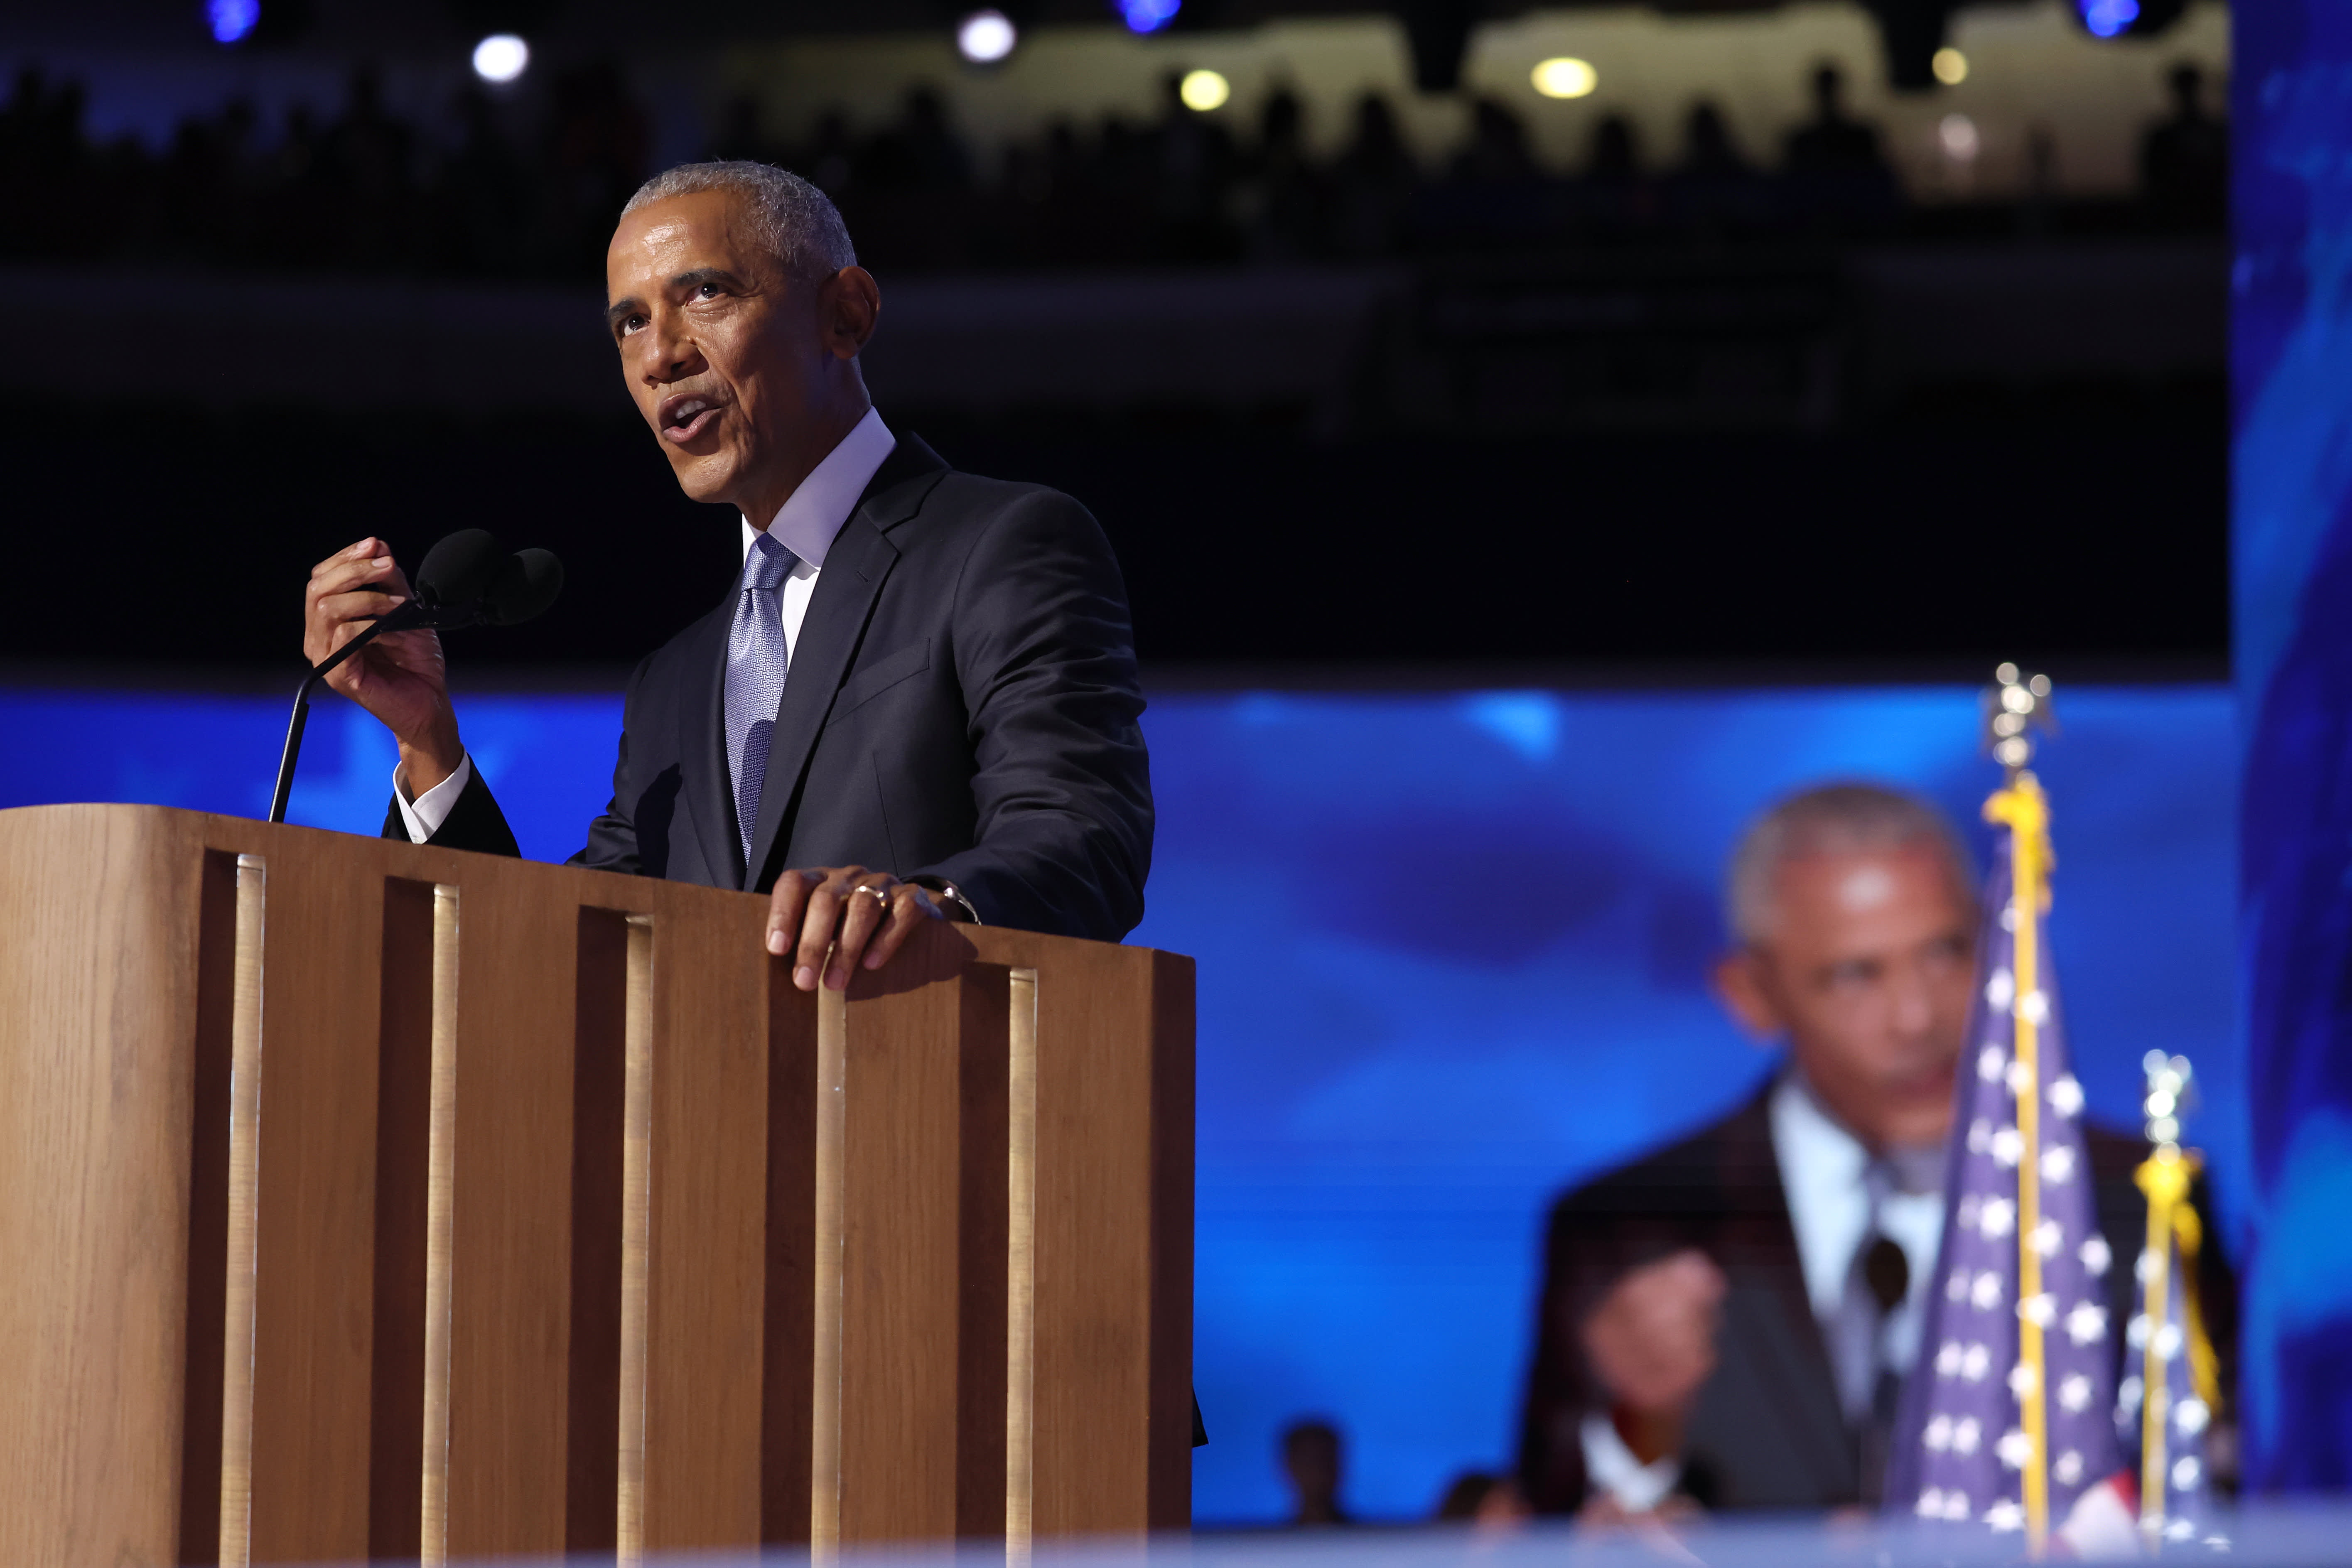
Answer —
1148 15
2105 18
231 19
1453 952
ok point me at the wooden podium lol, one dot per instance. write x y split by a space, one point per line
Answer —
361 1199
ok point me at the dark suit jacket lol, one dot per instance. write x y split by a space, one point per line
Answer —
962 704
1766 1430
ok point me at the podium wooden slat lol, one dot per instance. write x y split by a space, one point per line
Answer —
922 1390
678 1373
95 1101
707 1271
509 1326
313 1349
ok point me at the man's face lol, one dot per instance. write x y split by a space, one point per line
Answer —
722 352
1867 969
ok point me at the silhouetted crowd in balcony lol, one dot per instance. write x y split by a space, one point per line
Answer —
368 192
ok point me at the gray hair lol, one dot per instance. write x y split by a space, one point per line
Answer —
797 222
1831 819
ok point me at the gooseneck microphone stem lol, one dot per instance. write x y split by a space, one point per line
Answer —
465 580
302 695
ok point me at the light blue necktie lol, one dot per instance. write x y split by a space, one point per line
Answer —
756 660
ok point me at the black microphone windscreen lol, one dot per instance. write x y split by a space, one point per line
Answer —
1886 1270
525 586
457 572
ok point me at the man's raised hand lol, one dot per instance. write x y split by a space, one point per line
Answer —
847 911
399 677
1650 1343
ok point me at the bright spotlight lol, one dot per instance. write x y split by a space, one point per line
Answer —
985 38
1951 66
231 19
2105 18
1203 91
1957 135
501 57
1147 16
1565 77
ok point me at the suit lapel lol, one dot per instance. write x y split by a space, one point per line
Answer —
702 745
1807 1385
847 589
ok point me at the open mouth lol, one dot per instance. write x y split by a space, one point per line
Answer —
686 417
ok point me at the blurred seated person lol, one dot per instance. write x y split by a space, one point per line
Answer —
1497 153
1831 142
1311 1461
2184 160
1616 153
1723 1321
1708 149
1371 183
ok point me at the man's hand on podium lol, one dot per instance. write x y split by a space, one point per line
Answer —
399 677
847 909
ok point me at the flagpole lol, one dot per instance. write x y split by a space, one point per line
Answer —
2022 807
2160 1179
2173 1226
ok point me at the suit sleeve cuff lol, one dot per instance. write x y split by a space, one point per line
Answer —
1612 1467
424 815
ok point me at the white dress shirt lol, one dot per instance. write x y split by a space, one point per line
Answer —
1821 1167
806 524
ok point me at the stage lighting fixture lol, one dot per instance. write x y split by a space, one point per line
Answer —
1951 66
986 37
231 19
1957 133
2107 18
501 57
1147 16
1203 91
1565 77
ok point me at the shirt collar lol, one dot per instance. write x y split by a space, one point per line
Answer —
812 515
1821 1164
1820 1169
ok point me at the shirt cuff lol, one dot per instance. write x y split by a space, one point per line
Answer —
424 815
1611 1466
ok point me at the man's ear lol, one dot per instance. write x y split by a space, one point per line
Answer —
1745 990
849 303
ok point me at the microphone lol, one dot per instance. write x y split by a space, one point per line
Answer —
467 579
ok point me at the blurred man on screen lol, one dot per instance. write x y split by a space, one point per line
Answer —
1728 1321
919 698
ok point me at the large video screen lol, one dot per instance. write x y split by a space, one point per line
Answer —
1452 953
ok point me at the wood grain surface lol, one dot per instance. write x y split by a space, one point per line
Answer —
98 1013
240 1284
403 1144
114 1166
1020 1263
440 1224
708 1259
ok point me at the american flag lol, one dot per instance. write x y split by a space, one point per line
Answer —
2010 1415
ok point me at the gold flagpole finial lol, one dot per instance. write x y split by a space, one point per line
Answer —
2015 704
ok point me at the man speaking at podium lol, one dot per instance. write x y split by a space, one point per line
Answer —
920 700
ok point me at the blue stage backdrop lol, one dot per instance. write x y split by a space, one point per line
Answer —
1452 955
2291 377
